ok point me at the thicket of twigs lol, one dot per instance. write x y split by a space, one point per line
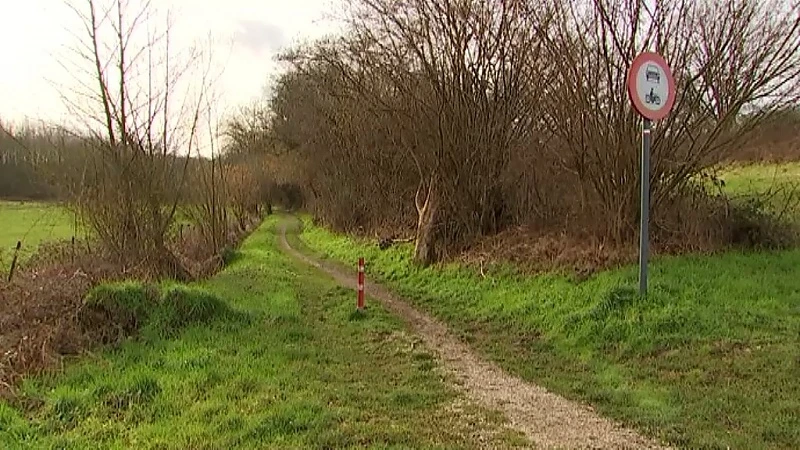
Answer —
460 119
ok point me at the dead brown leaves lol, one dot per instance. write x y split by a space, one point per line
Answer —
534 250
38 318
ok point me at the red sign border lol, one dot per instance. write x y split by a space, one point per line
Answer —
638 62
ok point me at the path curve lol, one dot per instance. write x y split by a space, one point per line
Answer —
548 420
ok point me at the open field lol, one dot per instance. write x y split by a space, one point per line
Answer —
744 179
298 370
36 222
711 358
777 185
32 223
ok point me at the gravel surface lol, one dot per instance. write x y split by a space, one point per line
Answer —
548 420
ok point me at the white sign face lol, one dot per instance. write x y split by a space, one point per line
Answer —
651 86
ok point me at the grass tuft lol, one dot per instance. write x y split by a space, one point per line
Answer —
358 315
129 301
130 307
114 311
180 306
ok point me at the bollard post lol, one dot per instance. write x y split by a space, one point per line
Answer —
360 303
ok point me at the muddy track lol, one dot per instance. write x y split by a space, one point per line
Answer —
548 420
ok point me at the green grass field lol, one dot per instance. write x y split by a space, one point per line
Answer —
31 223
299 370
743 179
776 185
34 223
711 358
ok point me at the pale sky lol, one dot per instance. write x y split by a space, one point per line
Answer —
248 34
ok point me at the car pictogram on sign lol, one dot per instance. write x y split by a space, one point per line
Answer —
652 74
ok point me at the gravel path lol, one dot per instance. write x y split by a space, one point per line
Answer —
548 420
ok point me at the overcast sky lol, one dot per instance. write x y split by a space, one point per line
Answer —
247 35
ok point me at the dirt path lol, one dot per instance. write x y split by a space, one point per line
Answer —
548 420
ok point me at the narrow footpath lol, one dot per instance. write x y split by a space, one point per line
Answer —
548 420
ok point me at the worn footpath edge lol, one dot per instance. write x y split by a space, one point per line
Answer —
548 420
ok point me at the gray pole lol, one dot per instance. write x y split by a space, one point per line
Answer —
644 238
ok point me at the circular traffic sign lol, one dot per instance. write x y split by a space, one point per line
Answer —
651 86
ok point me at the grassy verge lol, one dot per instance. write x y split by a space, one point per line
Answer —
710 359
292 368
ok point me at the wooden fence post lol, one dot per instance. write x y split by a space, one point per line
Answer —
14 261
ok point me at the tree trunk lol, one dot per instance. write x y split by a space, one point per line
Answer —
428 213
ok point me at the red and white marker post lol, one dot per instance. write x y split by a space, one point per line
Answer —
360 303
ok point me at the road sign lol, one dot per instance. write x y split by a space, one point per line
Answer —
651 87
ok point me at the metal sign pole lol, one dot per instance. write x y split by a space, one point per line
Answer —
651 89
644 238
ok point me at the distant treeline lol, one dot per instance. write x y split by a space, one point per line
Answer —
776 139
41 163
32 157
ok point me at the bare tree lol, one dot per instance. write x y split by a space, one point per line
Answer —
128 79
455 84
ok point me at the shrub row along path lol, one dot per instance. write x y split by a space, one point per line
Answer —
546 419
